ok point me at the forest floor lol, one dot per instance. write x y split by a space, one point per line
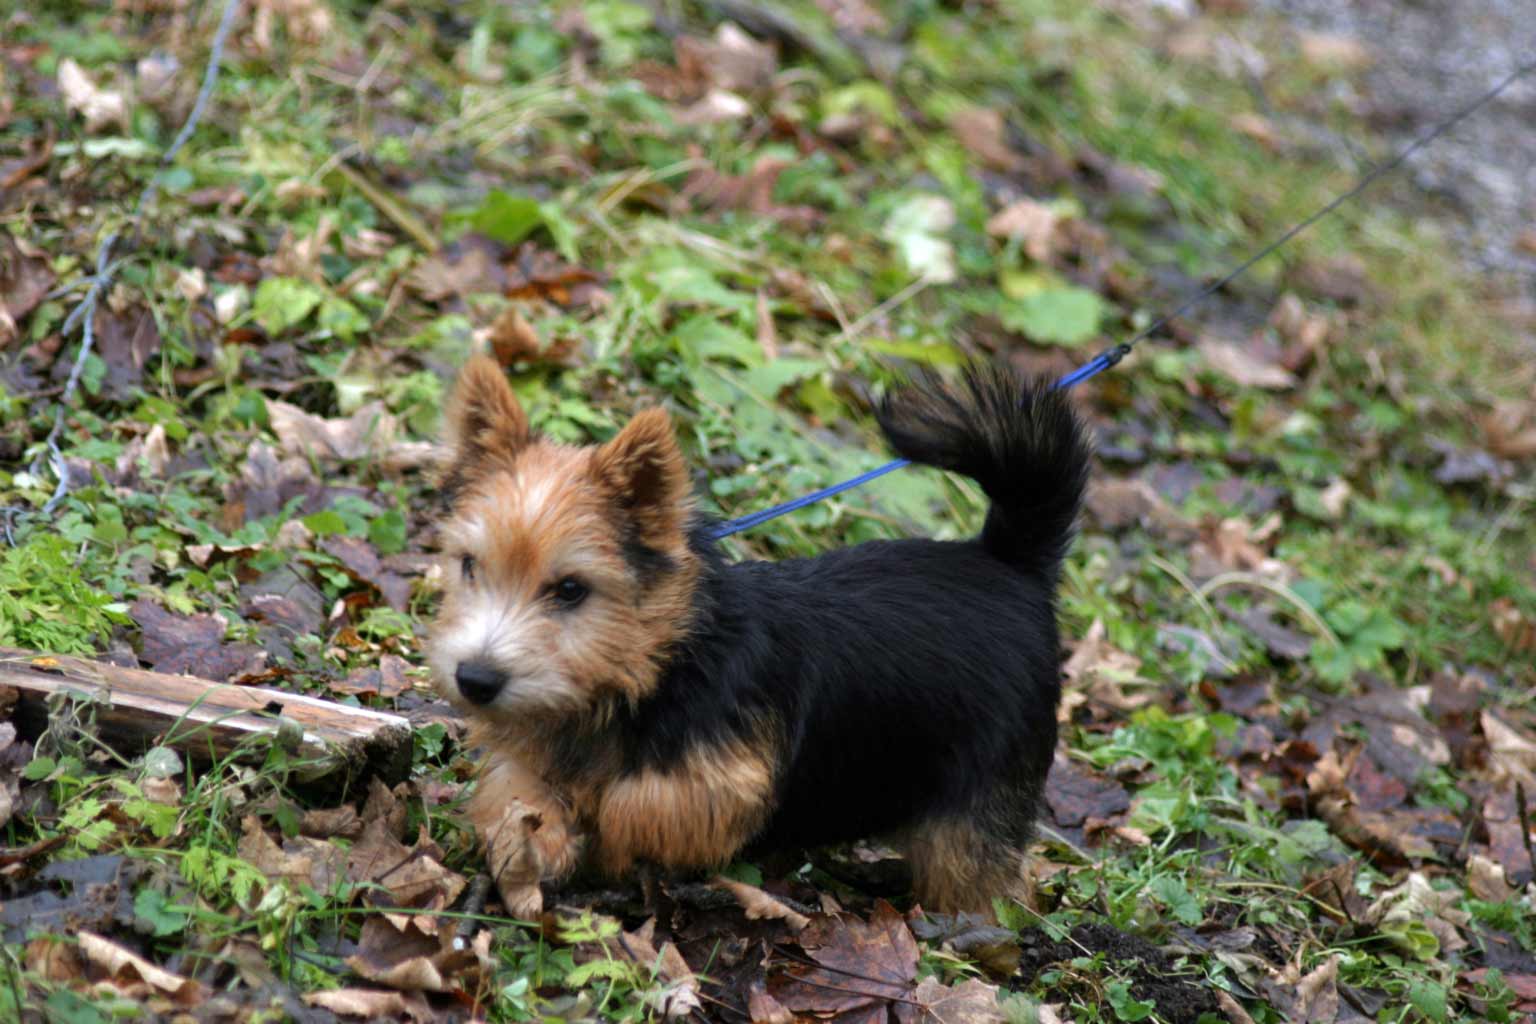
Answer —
1299 736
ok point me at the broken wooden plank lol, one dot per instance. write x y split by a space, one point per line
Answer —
136 708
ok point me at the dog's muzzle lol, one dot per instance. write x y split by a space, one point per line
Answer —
478 681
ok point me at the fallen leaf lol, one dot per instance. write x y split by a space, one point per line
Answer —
1509 430
1333 51
732 60
984 132
764 1009
1317 994
1486 878
372 1003
410 959
535 273
759 906
1258 128
971 1002
467 266
917 228
1034 224
513 859
403 876
130 971
513 342
368 432
1416 902
362 563
100 107
25 281
752 192
298 862
1511 625
1243 367
1508 842
1076 793
126 342
192 645
678 995
718 106
862 964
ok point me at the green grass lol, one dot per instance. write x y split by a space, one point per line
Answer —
478 120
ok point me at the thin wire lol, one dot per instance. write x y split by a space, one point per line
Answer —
1110 356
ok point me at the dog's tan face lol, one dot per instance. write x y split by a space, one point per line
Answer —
568 572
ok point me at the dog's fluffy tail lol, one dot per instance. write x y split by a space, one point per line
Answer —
1018 438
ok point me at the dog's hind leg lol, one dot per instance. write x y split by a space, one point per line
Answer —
958 864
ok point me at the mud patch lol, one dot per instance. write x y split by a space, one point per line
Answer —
1180 995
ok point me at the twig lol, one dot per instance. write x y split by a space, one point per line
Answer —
473 905
84 315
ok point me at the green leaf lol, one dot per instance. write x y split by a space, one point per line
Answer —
38 768
1065 315
507 218
1125 1006
1170 892
284 302
388 532
326 523
151 907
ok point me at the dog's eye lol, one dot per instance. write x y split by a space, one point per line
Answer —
569 592
467 567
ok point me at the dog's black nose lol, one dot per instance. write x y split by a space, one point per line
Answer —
479 682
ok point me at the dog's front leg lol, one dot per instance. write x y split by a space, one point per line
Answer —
526 831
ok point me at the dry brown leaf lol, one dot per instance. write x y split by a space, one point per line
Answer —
1317 994
1486 879
985 134
372 1003
1336 52
367 433
764 1009
678 996
1511 625
410 959
1034 224
1416 901
298 861
1243 367
1258 128
409 876
100 107
732 60
1511 753
126 968
513 859
513 341
718 106
1510 430
759 906
971 1002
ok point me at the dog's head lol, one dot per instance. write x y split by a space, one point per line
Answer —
568 570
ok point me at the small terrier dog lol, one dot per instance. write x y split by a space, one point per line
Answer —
653 703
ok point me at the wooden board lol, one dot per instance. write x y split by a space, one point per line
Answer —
140 709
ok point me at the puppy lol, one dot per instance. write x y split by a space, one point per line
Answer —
652 702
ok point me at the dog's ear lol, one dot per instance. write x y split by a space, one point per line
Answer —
643 471
483 423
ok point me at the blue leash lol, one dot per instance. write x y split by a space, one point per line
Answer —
1110 356
1098 364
